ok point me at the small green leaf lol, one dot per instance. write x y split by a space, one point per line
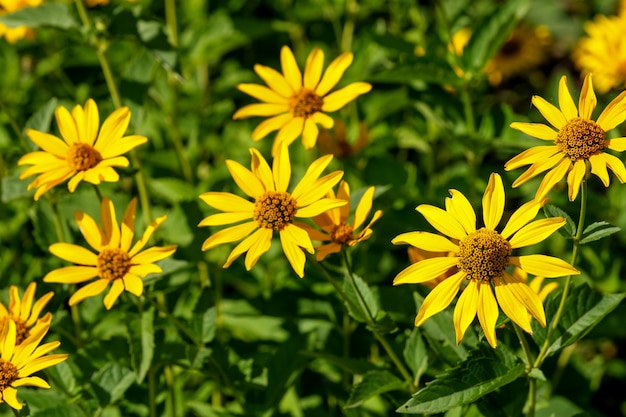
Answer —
597 231
373 383
141 342
111 382
13 188
569 229
416 354
362 298
485 370
584 308
172 190
47 14
203 325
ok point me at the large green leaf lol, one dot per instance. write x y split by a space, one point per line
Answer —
584 308
373 383
363 304
484 371
111 382
47 14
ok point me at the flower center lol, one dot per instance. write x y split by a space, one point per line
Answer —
21 330
341 233
274 209
580 138
484 254
113 264
305 103
83 157
8 374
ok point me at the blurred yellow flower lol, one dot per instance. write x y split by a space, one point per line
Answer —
481 259
603 52
14 34
579 142
84 153
273 208
24 313
296 104
116 262
19 361
94 3
335 141
336 227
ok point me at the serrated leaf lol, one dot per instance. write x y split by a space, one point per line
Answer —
584 308
141 342
360 301
416 354
485 370
569 229
597 231
47 14
111 382
373 383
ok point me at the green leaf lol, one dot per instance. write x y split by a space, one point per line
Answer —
484 371
597 231
584 308
172 190
416 354
373 383
47 14
140 331
569 229
506 401
111 382
361 298
429 69
491 33
14 188
203 325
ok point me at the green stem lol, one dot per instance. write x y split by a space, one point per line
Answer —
98 192
525 347
152 392
171 22
162 308
348 27
171 389
15 412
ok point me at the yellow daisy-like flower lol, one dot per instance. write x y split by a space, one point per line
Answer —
603 52
296 104
14 34
24 313
19 361
273 208
84 153
579 142
481 259
116 262
335 224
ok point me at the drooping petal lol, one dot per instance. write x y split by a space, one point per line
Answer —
544 266
552 177
9 396
269 125
459 206
425 270
616 165
336 100
527 297
260 245
536 232
293 252
90 290
493 202
114 292
465 309
426 241
288 133
230 234
323 120
575 179
510 305
333 73
440 297
310 133
443 221
487 312
133 284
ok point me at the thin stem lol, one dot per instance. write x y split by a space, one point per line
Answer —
98 192
152 392
370 317
525 347
348 27
171 21
169 379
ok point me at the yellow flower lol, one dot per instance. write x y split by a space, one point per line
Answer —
83 154
336 141
24 313
273 208
603 52
296 104
19 362
115 263
94 3
13 34
579 142
335 224
481 259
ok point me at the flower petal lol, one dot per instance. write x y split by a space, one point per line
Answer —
246 244
459 206
465 309
553 115
290 239
616 165
598 168
488 312
319 188
66 125
290 68
543 266
440 297
575 178
443 221
566 103
260 92
363 208
288 133
587 101
426 270
614 113
113 128
221 219
227 202
230 234
521 217
318 207
426 241
114 292
510 305
333 73
553 176
313 68
71 274
74 253
48 143
336 100
274 80
154 254
281 169
310 132
493 202
260 109
536 232
261 169
245 179
90 290
268 126
133 284
310 176
536 130
90 230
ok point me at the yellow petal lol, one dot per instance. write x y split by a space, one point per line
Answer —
221 219
91 123
74 253
487 312
544 266
528 298
613 114
459 207
521 217
536 154
553 176
616 144
313 68
90 290
133 284
8 343
260 109
227 202
121 146
114 292
310 176
319 188
551 113
245 179
510 305
274 80
363 208
113 128
9 396
127 228
32 381
246 244
493 202
566 103
281 169
299 236
71 274
261 169
426 241
333 73
66 125
39 305
616 165
110 228
48 143
139 271
268 126
443 221
260 245
293 252
465 310
146 235
575 179
536 130
90 230
587 101
288 133
230 234
321 252
310 132
262 93
154 254
290 68
426 270
318 207
536 232
42 363
336 100
539 167
440 297
323 120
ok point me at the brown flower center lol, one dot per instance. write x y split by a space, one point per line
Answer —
82 157
8 374
113 264
341 233
274 209
580 138
21 330
305 103
484 254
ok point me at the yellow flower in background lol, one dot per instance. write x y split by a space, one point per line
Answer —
603 52
94 3
84 153
296 103
24 313
481 259
14 34
19 361
273 208
117 262
335 141
579 142
336 227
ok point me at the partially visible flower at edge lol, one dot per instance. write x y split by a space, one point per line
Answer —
335 226
578 143
297 103
273 208
481 258
83 153
19 361
116 262
335 141
24 313
14 34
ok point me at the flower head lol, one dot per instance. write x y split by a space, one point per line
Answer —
19 361
24 313
579 141
84 153
273 208
336 228
117 261
14 34
482 257
296 104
